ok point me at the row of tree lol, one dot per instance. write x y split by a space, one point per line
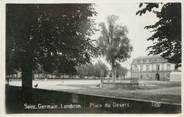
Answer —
99 69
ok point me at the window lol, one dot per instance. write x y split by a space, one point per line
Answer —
133 68
138 61
141 67
168 66
153 67
138 67
165 66
147 68
144 67
156 60
162 66
158 67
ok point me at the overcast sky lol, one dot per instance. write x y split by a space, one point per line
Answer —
135 24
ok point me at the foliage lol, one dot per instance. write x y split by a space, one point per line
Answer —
98 69
113 42
54 36
121 71
167 31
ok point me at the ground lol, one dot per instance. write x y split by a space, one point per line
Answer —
160 91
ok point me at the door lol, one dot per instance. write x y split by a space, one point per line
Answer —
157 76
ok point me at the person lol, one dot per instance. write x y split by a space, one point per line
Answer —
157 76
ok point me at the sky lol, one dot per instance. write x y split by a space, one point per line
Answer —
135 24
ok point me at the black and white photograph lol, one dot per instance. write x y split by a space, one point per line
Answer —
110 57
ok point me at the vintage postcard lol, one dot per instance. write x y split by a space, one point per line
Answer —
92 57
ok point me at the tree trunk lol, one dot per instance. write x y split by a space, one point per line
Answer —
27 77
113 74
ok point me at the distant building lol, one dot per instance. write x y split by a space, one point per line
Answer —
152 68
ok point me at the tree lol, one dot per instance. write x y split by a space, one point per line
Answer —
54 36
101 70
113 43
121 71
85 70
167 30
98 69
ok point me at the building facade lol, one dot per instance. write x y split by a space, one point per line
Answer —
151 68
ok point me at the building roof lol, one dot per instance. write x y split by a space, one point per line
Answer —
149 59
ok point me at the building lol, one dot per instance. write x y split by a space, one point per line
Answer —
151 68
